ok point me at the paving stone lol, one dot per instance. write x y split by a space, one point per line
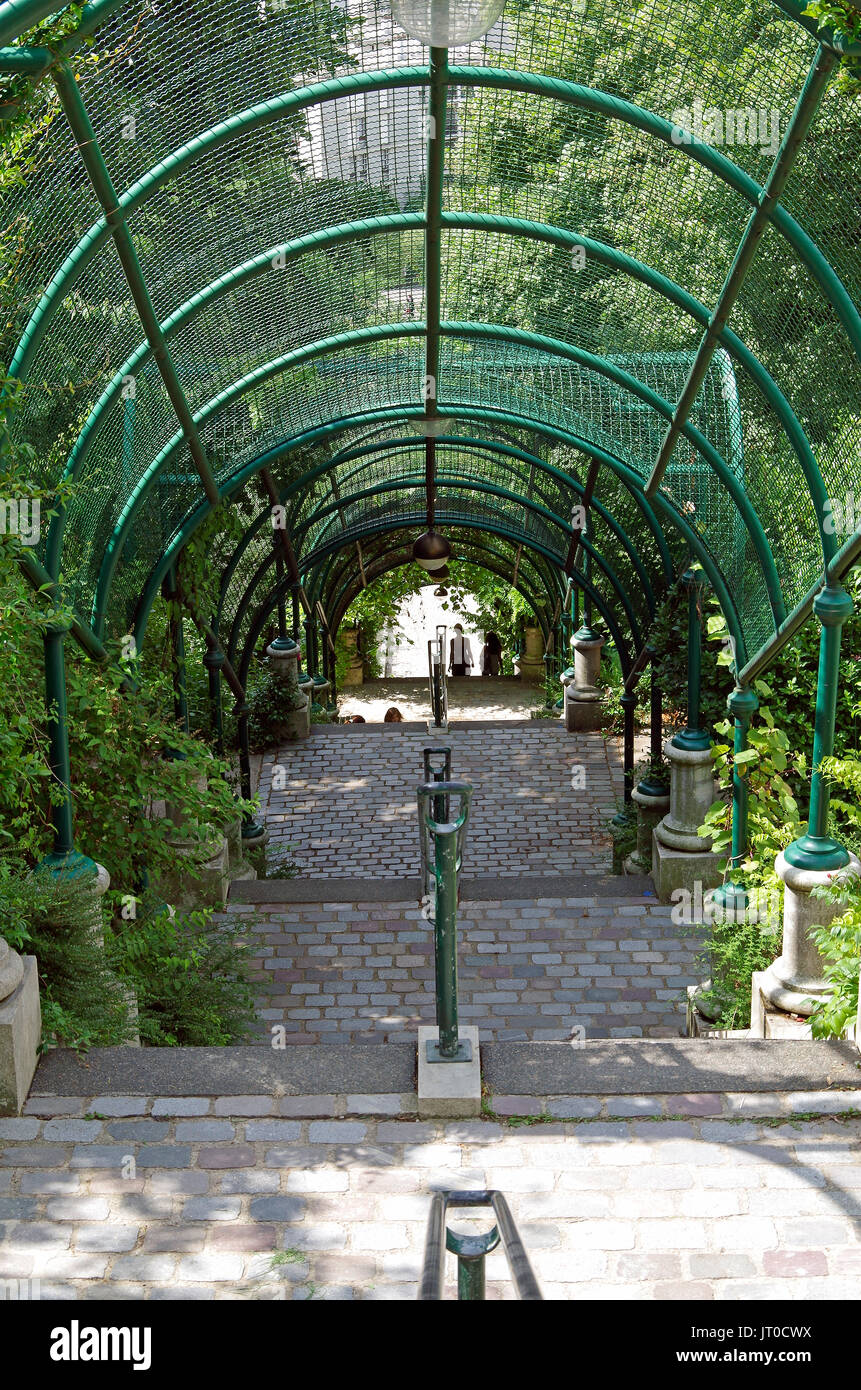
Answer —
212 1209
197 1131
336 1132
120 1105
106 1237
181 1105
277 1209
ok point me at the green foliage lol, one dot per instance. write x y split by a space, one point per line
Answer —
735 950
840 945
840 942
844 18
82 1003
767 767
190 976
270 701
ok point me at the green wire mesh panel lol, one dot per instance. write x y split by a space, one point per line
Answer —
601 164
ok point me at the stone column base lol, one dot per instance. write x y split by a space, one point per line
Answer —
766 1021
794 983
208 886
673 869
582 716
650 811
20 1035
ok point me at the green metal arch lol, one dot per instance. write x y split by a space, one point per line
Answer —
233 484
571 93
467 445
485 222
272 599
493 490
379 333
471 485
344 454
339 607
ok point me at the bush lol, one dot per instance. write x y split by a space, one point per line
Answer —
270 700
190 975
82 1002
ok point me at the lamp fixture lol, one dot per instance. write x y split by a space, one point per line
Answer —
446 23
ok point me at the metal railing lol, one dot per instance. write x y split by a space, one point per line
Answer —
437 678
472 1250
442 835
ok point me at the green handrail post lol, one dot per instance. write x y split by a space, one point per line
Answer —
471 1252
653 784
446 943
628 702
214 660
439 773
63 859
731 897
447 838
693 737
817 849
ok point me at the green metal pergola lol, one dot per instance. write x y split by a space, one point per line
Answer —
471 289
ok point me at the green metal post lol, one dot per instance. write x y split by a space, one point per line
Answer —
652 784
693 737
63 859
213 661
629 704
817 849
471 1278
731 897
97 170
445 933
799 124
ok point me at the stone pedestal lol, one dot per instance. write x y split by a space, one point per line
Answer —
448 1089
284 655
650 810
355 674
794 983
681 858
20 1027
530 663
583 708
204 883
239 867
255 838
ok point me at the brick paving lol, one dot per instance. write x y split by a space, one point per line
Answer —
468 698
259 1198
529 969
344 801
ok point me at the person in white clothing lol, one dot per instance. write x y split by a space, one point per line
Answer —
460 653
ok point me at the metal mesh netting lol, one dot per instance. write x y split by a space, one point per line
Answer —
583 247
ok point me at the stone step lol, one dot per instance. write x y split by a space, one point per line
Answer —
624 1067
522 888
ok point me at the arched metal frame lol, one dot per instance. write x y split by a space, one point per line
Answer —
767 212
466 76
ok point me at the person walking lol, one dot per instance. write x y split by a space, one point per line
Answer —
460 653
491 656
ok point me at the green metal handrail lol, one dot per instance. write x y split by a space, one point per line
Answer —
442 844
438 687
472 1250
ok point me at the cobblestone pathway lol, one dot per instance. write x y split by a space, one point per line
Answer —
345 800
255 1198
363 972
468 698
